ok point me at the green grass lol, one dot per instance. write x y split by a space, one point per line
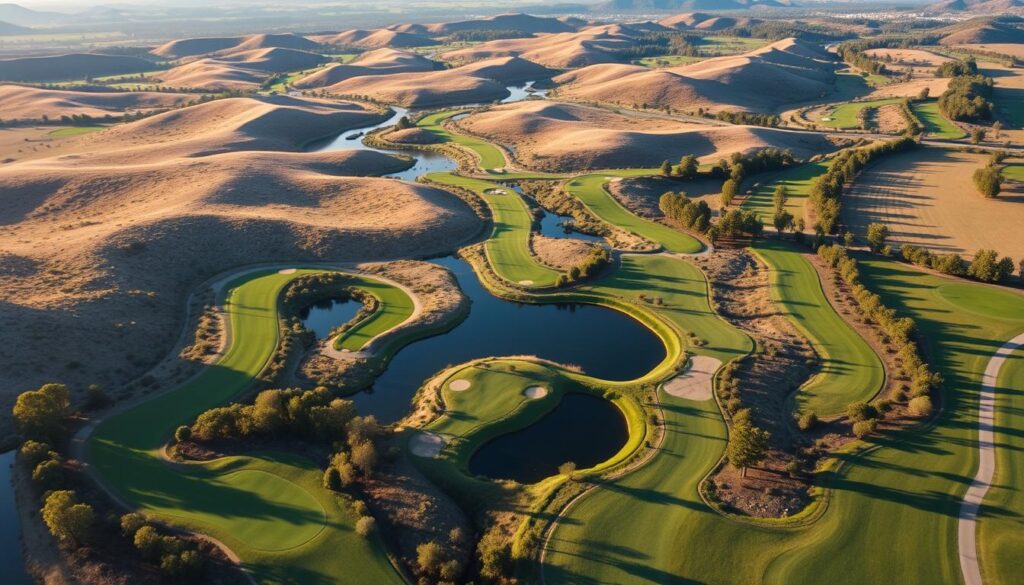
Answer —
395 306
74 131
668 61
1014 172
590 189
633 530
270 508
508 248
729 45
797 180
847 116
850 371
934 122
490 157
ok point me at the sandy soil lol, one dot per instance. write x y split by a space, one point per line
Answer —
20 102
426 444
697 382
561 136
927 198
784 72
82 231
483 81
560 253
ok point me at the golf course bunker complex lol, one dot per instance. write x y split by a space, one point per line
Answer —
696 383
583 429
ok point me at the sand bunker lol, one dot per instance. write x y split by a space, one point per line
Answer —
535 392
696 383
495 192
460 385
426 444
286 271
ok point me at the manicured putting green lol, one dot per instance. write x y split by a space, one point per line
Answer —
271 509
590 189
850 370
986 301
935 124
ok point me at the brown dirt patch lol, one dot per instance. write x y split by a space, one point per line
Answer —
927 198
888 119
560 253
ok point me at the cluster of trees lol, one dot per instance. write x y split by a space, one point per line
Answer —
781 219
434 561
356 455
958 68
686 169
309 414
738 166
966 98
480 36
988 180
899 331
986 265
749 118
748 444
852 54
735 223
827 188
907 113
39 414
679 208
598 258
175 555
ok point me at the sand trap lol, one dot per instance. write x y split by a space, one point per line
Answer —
696 382
526 282
287 271
495 192
459 385
535 392
426 444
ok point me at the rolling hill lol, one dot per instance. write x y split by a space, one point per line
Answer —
70 67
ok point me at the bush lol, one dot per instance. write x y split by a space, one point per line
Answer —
807 421
864 428
366 526
48 475
986 268
495 555
988 181
332 479
920 406
429 556
39 414
147 540
861 411
182 434
32 453
68 520
131 523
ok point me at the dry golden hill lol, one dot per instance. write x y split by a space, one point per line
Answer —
559 137
597 44
239 70
70 67
100 252
182 48
992 30
278 41
483 81
19 102
375 39
767 79
275 60
378 62
225 125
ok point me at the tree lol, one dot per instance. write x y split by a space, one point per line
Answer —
863 428
987 268
747 443
429 556
997 127
32 453
148 541
877 234
988 180
977 135
858 411
332 479
131 523
404 123
783 220
366 526
96 397
70 521
924 93
779 198
182 434
40 413
807 421
728 192
666 168
364 456
688 167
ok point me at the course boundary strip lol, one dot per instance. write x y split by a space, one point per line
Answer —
967 524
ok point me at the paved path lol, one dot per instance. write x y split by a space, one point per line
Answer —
968 526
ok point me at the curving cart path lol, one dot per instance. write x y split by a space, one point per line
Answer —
967 527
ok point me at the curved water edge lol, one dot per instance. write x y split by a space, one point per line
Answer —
582 429
12 564
322 317
603 342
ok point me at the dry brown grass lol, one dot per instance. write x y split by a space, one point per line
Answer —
379 62
21 102
927 198
560 50
560 253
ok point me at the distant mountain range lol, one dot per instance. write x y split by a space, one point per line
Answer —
977 6
684 5
7 28
18 15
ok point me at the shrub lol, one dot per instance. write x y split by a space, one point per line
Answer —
131 523
32 453
429 556
332 479
861 411
39 414
864 428
920 406
876 236
985 267
48 475
182 434
366 526
807 421
988 181
147 541
495 555
69 521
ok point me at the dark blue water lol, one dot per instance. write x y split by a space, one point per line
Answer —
604 343
583 429
322 317
12 564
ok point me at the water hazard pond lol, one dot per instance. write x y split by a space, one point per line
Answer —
583 429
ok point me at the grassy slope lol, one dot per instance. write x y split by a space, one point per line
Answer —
635 529
934 122
591 191
850 370
509 245
74 131
269 508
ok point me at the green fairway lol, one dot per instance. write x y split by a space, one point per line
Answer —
490 157
641 528
74 131
797 181
395 306
935 124
508 248
847 116
590 189
1014 172
850 371
270 509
